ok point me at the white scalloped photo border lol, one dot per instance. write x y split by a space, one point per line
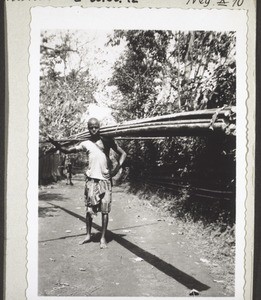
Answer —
44 18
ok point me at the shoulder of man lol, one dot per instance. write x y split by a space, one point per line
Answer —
83 145
108 141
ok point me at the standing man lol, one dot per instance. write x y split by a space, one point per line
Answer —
99 173
68 168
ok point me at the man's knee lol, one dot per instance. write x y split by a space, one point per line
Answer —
89 214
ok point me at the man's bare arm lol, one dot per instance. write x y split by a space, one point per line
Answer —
63 149
122 157
68 150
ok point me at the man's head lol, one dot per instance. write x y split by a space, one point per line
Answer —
94 127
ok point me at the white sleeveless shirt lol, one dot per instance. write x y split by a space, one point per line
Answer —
98 167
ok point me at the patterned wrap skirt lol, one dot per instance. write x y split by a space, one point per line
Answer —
98 195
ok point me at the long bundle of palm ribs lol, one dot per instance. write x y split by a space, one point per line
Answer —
193 123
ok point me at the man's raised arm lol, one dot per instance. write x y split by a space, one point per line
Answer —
58 146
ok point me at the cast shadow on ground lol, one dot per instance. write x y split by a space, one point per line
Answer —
62 238
46 212
95 237
135 226
48 196
168 269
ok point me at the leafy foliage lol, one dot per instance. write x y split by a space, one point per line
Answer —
65 92
163 72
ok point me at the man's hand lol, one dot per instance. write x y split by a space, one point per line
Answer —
115 170
56 144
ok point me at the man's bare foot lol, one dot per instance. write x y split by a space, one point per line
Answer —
103 244
86 240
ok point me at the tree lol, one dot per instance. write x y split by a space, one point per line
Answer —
66 86
162 72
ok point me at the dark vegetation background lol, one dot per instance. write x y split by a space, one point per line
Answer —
158 72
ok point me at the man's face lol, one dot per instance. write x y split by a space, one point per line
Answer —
94 127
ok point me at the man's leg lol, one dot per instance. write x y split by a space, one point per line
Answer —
105 219
70 178
70 174
88 222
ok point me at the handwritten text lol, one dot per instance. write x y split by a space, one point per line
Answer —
221 3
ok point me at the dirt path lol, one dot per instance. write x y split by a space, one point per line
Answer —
146 255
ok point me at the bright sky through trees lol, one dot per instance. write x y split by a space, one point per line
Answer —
82 52
91 51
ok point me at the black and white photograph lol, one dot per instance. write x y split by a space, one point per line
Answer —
137 144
